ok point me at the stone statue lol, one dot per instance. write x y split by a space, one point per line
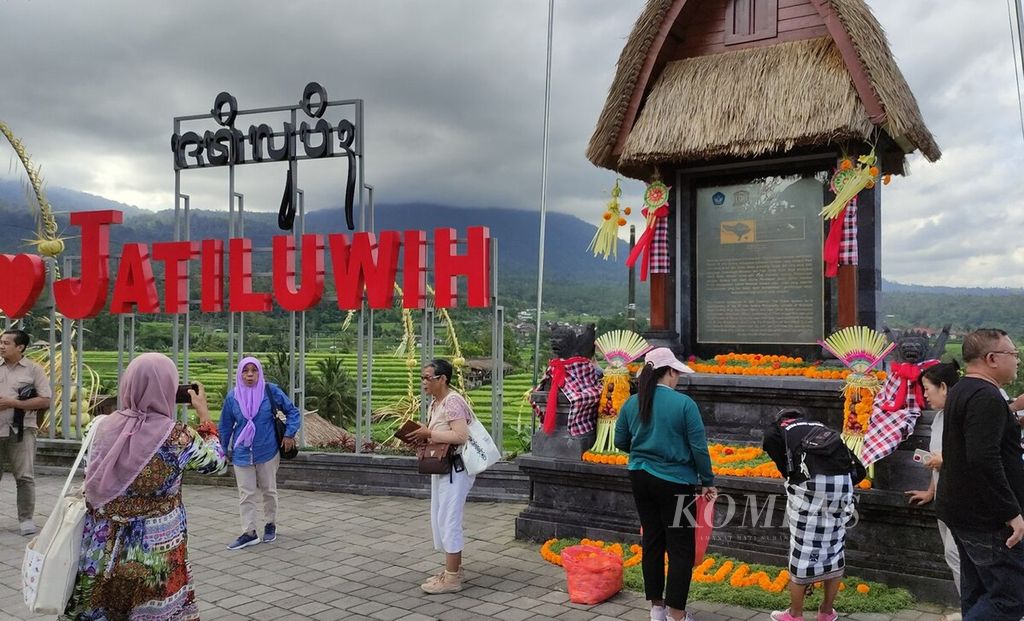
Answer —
571 373
898 404
913 345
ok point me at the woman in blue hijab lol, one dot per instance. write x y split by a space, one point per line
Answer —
247 431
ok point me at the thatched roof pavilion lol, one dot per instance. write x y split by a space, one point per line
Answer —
690 89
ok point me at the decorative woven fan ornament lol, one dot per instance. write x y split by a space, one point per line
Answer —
618 348
606 240
861 349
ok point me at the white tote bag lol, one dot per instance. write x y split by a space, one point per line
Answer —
479 452
51 558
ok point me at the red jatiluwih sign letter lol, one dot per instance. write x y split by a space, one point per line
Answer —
367 263
79 298
474 265
135 283
243 298
312 288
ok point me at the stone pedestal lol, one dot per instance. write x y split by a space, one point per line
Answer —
891 541
559 444
899 472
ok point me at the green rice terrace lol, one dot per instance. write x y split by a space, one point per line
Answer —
390 385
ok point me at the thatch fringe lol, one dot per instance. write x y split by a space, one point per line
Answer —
814 104
748 103
631 61
904 121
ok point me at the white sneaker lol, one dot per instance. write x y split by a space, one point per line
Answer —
658 613
28 527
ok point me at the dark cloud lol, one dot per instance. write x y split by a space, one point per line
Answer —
454 105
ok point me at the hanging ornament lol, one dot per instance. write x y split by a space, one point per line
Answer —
848 181
653 244
841 242
606 240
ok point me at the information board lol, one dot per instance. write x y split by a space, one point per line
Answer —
759 266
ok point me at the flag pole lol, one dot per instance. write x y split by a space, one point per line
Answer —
543 197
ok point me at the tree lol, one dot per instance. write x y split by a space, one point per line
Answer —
332 393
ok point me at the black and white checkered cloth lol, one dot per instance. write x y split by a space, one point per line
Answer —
818 511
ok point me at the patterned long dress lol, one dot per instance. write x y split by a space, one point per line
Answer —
134 564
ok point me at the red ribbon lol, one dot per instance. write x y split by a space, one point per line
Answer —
643 245
830 252
557 368
909 375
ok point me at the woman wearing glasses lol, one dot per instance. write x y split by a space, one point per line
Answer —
449 420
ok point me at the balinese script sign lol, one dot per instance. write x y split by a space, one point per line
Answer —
361 263
229 146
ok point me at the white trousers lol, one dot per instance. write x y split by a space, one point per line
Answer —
447 502
952 553
252 481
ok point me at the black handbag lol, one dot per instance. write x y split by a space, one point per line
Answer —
280 426
18 422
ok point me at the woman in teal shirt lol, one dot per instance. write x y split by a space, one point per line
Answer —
669 465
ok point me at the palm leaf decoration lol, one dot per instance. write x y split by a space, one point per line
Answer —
620 347
861 349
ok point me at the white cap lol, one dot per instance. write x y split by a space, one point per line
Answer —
663 357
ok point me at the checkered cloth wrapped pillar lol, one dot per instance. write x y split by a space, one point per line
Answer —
840 247
848 244
660 263
580 384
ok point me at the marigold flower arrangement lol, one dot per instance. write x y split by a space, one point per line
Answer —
611 459
771 365
630 555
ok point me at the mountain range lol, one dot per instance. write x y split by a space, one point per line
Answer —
574 280
568 264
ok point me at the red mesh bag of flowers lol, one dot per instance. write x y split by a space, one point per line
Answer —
593 574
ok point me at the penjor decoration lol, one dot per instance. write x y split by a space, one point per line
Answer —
618 348
861 349
606 240
653 244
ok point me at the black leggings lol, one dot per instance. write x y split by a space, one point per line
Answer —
656 502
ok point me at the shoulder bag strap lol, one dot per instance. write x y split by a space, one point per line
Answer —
81 454
270 397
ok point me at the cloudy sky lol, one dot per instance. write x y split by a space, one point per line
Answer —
454 106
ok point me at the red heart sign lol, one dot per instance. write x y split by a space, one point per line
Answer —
22 277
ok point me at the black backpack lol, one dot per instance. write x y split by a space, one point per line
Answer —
816 449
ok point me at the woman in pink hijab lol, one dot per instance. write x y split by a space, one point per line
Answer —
134 558
247 426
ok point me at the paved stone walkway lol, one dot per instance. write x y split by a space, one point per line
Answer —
341 556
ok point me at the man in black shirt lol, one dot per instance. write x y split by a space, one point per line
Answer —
981 485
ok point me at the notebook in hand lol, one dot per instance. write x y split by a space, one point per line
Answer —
403 433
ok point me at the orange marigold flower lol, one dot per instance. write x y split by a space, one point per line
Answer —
863 588
622 222
874 171
845 165
627 210
607 215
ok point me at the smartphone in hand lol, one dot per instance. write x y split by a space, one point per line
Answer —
182 396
